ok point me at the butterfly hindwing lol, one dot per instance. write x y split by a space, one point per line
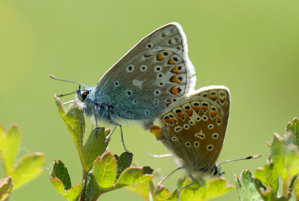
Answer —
195 127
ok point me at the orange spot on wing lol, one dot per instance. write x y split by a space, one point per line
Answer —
181 115
174 79
196 108
174 90
168 121
189 112
175 70
160 57
170 61
205 108
213 97
148 55
213 114
169 102
219 120
222 100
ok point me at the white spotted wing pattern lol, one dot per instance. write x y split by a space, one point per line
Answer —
155 73
194 129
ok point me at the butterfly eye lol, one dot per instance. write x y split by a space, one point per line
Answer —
215 171
84 95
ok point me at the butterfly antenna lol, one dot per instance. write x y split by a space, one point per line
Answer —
240 159
158 156
55 78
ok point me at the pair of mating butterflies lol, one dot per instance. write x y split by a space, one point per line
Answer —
155 80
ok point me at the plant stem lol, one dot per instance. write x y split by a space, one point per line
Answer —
82 196
285 190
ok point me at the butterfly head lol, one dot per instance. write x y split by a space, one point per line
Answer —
84 95
216 171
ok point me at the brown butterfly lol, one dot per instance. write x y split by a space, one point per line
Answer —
194 130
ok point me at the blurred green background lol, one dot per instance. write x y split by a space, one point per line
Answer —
252 47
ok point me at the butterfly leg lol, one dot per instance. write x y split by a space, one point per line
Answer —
96 120
122 138
169 175
193 182
109 135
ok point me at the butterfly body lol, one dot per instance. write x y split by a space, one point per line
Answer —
153 74
194 130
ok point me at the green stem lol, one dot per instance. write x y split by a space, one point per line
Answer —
82 196
285 190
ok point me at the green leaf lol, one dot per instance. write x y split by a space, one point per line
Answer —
62 183
172 196
246 187
294 127
60 171
9 146
296 190
73 193
104 170
211 189
123 162
285 157
292 186
278 156
58 185
181 181
266 194
95 146
5 187
28 167
141 189
160 193
147 170
269 176
131 176
72 118
92 190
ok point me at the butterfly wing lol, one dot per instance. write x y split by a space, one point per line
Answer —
195 127
152 75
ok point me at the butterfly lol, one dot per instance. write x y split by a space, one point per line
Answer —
151 76
194 129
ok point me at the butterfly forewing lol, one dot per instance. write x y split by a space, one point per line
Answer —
152 75
195 127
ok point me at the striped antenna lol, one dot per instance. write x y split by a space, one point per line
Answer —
55 78
240 159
